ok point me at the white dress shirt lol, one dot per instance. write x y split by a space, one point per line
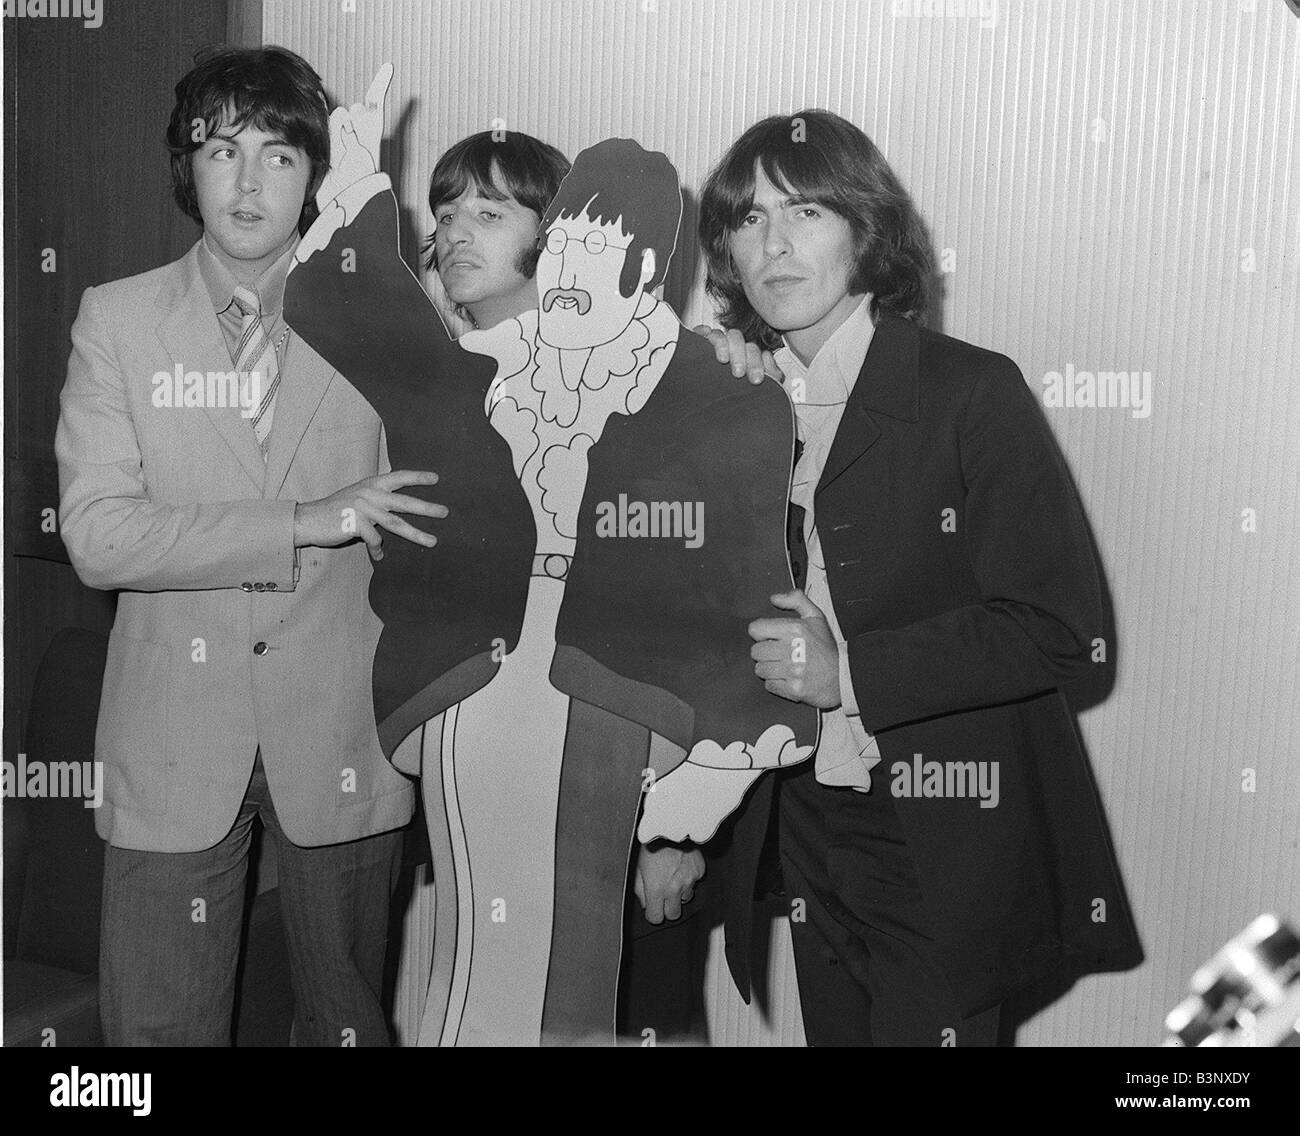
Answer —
820 391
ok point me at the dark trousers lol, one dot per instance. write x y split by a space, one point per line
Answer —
170 932
863 940
661 984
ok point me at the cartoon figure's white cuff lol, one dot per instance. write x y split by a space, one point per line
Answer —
341 211
356 196
693 800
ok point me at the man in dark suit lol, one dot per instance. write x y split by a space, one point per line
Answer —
946 845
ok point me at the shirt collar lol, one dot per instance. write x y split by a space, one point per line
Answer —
221 282
830 377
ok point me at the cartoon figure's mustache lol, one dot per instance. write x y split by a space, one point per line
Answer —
581 295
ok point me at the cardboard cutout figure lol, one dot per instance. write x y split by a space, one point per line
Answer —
577 639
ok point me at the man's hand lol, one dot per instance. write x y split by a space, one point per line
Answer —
747 360
355 134
360 510
797 658
665 879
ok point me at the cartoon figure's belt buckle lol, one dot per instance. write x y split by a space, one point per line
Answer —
553 565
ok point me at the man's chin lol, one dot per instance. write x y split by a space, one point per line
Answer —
783 320
461 297
248 242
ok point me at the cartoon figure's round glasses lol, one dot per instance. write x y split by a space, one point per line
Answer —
557 240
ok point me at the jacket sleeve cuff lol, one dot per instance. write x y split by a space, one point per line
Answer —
278 559
848 700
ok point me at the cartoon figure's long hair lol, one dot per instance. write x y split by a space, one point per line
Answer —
618 179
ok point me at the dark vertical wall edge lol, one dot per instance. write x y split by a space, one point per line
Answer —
244 22
8 742
86 177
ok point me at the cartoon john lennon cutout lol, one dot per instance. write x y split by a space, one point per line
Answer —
574 651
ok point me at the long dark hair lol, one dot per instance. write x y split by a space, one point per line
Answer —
269 87
528 169
826 159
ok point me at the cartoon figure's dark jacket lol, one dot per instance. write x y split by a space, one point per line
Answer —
649 629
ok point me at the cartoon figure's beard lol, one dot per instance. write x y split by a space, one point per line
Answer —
580 295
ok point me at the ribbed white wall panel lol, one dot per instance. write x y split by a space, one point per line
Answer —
734 1024
1115 183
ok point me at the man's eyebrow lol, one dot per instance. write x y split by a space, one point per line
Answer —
507 201
785 199
225 134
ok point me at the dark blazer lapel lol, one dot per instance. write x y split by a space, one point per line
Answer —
192 337
303 383
887 384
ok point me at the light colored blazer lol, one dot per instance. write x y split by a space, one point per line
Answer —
225 639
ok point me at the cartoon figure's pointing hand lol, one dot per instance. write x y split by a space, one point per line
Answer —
355 134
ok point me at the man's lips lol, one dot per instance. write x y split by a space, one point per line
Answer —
463 263
782 281
246 216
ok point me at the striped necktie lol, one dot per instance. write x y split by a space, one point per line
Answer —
256 355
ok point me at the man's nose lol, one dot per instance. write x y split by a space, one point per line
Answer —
776 241
250 180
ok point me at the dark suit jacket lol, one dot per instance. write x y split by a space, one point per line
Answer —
959 642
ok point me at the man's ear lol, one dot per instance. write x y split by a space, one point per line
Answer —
647 266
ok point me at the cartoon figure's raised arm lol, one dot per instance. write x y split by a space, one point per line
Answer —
355 135
349 293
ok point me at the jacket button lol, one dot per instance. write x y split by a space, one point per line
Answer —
260 648
246 587
259 587
271 586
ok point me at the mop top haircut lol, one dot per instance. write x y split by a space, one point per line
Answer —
269 88
499 165
618 179
824 159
